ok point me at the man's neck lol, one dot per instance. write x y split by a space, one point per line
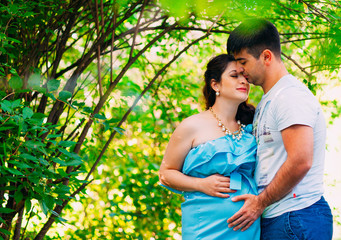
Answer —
273 75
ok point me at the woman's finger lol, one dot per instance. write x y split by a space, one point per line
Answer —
223 179
221 195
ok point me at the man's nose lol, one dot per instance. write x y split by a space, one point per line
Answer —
241 69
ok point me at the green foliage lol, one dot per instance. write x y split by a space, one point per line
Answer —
32 169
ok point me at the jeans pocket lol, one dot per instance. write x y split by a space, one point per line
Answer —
310 224
294 227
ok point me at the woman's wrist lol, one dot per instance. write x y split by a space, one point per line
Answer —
198 184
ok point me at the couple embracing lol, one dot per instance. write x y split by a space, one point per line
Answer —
249 173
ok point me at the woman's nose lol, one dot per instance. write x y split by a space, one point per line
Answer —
243 80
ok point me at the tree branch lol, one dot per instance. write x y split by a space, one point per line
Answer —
137 28
138 99
299 66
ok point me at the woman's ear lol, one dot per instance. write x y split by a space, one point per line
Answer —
214 85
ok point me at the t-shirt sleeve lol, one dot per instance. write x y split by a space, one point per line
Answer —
295 106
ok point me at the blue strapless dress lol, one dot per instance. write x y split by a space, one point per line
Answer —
204 216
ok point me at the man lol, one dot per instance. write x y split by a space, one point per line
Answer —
290 131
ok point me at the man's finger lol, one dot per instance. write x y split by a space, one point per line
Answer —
247 226
242 224
237 223
234 217
240 198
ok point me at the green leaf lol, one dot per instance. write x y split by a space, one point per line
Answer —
34 178
99 116
13 71
59 161
62 172
67 153
38 115
6 128
54 135
6 210
13 40
34 81
61 220
16 103
28 205
20 164
119 130
6 106
74 162
14 171
43 207
43 161
15 82
87 109
18 196
53 85
64 95
66 143
49 201
27 112
50 95
5 231
29 157
78 104
34 144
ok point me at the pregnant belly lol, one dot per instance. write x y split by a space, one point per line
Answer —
205 217
200 205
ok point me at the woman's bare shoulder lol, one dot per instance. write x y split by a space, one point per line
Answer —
194 122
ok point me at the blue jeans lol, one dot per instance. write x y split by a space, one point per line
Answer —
313 222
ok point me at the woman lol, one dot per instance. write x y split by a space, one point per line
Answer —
211 153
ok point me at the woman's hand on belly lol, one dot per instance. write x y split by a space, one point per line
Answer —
215 185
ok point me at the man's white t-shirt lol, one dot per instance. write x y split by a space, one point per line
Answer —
288 102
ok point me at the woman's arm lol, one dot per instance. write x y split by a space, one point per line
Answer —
170 173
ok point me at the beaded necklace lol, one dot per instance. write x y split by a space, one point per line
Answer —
237 135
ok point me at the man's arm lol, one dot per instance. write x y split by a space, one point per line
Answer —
299 144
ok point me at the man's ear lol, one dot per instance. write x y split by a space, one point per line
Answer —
267 57
214 85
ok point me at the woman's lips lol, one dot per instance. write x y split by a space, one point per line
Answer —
242 89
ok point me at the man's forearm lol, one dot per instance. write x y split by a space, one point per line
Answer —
287 177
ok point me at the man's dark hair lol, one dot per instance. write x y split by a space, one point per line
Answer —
255 36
